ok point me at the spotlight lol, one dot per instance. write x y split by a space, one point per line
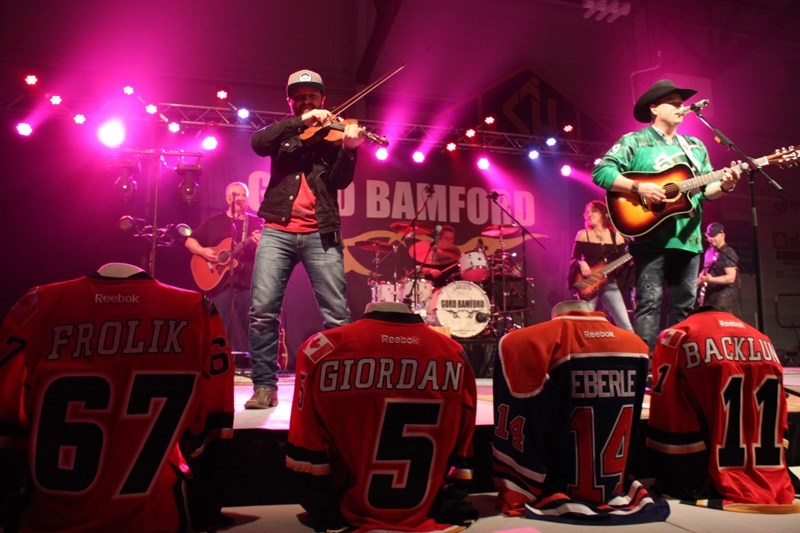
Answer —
79 119
566 170
483 163
381 154
568 128
418 157
174 127
188 187
489 120
129 223
31 79
222 94
451 147
210 143
470 133
111 133
533 154
128 90
551 141
24 129
151 109
125 186
55 100
243 113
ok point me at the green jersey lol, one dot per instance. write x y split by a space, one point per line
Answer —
648 150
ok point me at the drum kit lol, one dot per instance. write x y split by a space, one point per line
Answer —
465 292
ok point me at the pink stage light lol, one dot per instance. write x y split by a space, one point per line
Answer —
128 90
418 157
222 94
381 154
210 143
151 109
483 163
24 129
489 120
31 79
55 99
451 147
243 113
551 141
470 133
79 119
566 170
174 127
568 128
111 133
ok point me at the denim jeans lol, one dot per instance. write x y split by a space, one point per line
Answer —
613 304
277 254
655 269
236 321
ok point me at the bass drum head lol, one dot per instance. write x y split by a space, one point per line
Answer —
461 306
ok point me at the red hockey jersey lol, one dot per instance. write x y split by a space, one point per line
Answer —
113 385
383 415
567 399
718 409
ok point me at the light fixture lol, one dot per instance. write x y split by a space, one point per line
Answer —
125 186
188 187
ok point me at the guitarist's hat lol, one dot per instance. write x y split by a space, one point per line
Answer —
661 88
714 229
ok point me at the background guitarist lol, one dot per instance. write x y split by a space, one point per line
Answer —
595 245
669 255
231 294
717 280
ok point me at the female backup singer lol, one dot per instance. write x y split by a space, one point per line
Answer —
594 247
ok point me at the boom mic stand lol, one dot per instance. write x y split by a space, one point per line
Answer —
493 196
751 170
411 232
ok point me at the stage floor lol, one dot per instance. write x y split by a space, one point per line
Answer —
277 418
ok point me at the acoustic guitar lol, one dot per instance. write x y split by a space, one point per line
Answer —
587 287
208 275
633 216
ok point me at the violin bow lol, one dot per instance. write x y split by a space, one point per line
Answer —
365 91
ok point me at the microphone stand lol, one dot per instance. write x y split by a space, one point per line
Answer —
751 170
493 196
412 230
231 270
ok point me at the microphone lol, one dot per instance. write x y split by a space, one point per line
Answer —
480 244
481 317
697 106
436 233
429 188
494 195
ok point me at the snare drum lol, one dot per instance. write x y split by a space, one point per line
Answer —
462 306
424 291
384 291
473 266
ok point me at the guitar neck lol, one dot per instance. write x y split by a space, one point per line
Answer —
616 263
694 183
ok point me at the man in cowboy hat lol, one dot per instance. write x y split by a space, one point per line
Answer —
669 253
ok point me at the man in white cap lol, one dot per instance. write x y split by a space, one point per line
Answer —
302 223
716 283
669 253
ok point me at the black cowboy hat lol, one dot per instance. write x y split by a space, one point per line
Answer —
661 88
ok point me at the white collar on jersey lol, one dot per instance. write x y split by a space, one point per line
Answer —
569 305
387 307
118 270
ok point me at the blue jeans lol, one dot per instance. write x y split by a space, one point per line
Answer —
277 254
613 304
655 269
236 321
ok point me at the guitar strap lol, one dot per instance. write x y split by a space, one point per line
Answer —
684 144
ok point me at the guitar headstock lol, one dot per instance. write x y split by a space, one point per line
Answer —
785 157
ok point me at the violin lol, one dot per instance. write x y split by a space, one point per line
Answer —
333 131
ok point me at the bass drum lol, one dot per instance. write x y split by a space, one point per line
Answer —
384 291
462 307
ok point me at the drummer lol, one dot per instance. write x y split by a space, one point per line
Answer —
440 266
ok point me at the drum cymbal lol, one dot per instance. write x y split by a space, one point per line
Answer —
401 226
374 246
443 255
500 230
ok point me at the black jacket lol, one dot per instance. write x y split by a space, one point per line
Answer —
328 168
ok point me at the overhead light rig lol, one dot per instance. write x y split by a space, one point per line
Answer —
488 141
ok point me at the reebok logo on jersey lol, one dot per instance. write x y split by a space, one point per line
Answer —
116 298
730 324
598 334
399 339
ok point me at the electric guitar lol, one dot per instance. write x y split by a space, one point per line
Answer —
633 216
208 275
587 287
701 292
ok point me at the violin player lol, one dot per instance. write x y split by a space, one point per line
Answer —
302 223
